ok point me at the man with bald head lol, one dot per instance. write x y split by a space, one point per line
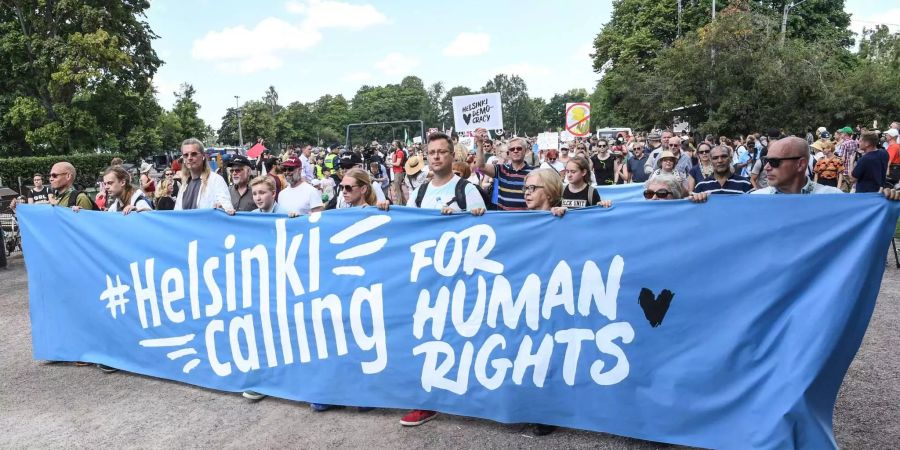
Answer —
62 181
786 169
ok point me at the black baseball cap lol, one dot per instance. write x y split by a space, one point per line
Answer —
239 160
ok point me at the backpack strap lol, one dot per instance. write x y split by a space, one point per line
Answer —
460 195
421 193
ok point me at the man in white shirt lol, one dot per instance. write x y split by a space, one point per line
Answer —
440 193
308 172
300 197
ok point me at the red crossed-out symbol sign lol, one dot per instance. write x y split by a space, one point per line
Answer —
572 128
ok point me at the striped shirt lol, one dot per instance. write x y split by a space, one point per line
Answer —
735 184
511 186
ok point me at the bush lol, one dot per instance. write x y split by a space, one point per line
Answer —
88 168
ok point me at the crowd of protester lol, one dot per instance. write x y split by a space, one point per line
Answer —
504 175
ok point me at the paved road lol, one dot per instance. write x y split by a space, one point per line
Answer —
55 405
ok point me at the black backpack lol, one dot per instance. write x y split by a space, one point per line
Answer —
73 200
459 196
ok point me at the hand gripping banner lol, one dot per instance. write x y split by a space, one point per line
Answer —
727 325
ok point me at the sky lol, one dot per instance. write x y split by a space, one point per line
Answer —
309 48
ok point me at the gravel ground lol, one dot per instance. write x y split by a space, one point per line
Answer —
56 405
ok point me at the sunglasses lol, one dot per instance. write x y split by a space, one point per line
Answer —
702 152
190 155
288 169
717 157
348 187
56 175
775 162
515 149
674 145
662 193
459 174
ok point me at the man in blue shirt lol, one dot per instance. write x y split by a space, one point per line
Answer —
724 180
870 171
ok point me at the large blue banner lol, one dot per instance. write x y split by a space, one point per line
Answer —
727 325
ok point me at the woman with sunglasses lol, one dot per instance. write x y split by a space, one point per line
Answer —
355 190
703 169
663 186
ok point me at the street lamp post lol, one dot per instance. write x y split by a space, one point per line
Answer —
237 109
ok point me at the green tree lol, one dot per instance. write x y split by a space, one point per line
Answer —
640 29
74 76
257 122
271 99
186 111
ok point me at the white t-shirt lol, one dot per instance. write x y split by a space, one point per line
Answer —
437 197
142 205
300 199
556 165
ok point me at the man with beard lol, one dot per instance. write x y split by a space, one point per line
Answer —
299 197
241 195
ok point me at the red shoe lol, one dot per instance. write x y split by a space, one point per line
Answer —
417 417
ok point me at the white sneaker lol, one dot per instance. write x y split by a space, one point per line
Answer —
252 395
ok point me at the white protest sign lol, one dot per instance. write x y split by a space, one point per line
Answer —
417 139
478 111
548 141
566 137
467 141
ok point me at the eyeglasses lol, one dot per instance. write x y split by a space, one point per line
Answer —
56 175
190 155
515 149
438 152
531 188
775 162
349 187
662 193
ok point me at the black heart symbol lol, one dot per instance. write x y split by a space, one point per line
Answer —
655 307
467 118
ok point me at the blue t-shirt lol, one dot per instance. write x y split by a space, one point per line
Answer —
870 171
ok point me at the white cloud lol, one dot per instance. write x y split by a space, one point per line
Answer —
261 48
469 44
256 49
396 64
890 17
332 14
358 76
